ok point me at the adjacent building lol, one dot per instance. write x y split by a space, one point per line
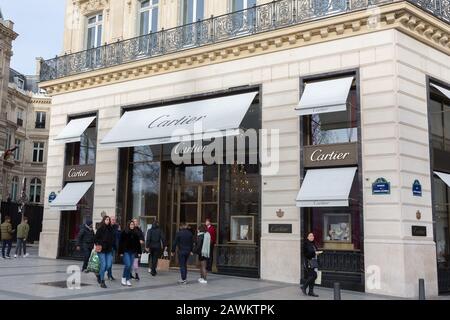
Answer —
24 117
350 99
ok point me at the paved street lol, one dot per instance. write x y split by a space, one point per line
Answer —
32 278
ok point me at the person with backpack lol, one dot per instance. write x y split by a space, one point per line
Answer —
154 244
85 242
129 248
202 249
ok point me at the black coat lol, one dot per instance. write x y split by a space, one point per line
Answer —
199 244
130 242
105 237
85 238
309 250
155 238
184 241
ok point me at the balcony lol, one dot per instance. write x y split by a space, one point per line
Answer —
266 17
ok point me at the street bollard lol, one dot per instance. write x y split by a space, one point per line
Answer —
421 289
337 291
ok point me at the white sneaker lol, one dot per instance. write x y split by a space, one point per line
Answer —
15 256
128 283
26 255
200 280
124 281
203 281
149 270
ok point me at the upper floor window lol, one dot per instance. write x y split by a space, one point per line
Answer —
237 5
20 82
14 188
35 190
334 127
148 21
440 120
17 151
8 139
40 119
38 152
192 10
20 117
94 31
84 151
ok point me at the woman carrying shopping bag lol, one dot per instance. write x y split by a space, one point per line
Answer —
104 238
129 248
311 265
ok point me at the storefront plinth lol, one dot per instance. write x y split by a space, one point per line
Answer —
48 244
394 268
280 259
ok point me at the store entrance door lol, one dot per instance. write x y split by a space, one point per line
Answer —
195 198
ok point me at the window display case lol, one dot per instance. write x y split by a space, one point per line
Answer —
242 229
337 232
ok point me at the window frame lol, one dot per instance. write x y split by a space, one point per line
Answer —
94 25
152 6
35 183
195 18
41 117
14 188
39 151
17 153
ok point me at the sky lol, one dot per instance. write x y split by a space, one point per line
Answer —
40 25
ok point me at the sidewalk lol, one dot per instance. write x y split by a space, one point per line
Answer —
38 278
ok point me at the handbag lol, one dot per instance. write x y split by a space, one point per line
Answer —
144 257
94 263
319 278
163 262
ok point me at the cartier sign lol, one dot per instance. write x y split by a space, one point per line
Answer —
330 155
79 173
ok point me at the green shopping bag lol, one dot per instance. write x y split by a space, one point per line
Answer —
94 263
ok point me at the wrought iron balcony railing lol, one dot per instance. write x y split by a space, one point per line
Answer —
266 17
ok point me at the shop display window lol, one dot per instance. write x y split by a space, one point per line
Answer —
242 228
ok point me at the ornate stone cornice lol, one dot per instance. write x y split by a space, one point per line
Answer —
88 6
8 32
401 16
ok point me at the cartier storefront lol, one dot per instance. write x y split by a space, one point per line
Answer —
166 175
330 194
75 200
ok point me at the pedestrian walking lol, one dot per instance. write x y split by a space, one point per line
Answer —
129 248
7 232
115 247
202 249
142 242
22 234
311 265
184 243
154 245
212 232
85 242
103 240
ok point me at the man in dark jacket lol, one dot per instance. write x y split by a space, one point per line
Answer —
184 241
85 242
155 242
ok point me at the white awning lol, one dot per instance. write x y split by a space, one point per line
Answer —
195 120
325 96
326 187
444 91
74 129
444 177
69 197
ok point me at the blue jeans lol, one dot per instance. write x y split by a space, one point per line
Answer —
183 258
113 258
105 263
128 258
6 243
